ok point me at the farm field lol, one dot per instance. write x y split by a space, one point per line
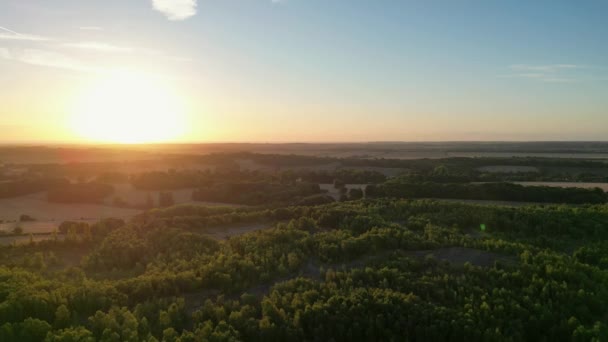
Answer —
39 208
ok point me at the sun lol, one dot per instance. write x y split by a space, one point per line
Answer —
128 108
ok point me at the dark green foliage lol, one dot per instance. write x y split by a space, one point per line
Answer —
316 200
488 191
350 271
355 194
345 176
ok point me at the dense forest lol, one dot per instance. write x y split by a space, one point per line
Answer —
487 191
382 269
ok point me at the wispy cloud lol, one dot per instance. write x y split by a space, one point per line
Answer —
7 34
544 68
47 58
58 53
99 46
553 73
176 9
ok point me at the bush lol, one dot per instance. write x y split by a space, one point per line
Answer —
26 218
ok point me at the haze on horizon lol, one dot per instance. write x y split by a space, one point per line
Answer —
120 71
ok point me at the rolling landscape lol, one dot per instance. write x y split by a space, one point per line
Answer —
303 170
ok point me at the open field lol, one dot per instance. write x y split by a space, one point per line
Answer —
49 215
134 196
38 207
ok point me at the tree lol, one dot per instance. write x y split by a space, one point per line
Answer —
33 329
26 218
77 334
338 184
355 194
62 317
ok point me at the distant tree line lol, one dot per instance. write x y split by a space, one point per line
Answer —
255 193
487 191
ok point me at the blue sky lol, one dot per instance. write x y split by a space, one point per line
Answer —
320 70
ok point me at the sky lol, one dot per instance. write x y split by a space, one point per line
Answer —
306 70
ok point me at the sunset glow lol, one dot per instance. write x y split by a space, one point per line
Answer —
127 107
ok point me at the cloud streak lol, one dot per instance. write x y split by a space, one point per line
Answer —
544 68
551 73
47 58
176 9
7 34
59 53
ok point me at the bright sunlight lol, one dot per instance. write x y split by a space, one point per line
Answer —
130 108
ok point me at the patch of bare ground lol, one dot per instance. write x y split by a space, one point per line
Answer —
129 194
